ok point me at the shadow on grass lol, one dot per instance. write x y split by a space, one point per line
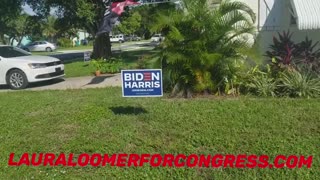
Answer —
98 79
128 110
47 83
127 56
37 84
134 56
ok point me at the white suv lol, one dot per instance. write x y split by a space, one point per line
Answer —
157 38
117 38
18 68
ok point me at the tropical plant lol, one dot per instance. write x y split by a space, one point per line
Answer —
131 24
307 55
98 64
282 50
198 39
142 62
260 83
113 65
300 84
284 53
49 29
64 42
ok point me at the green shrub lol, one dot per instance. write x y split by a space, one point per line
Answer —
113 65
90 43
143 62
299 84
64 42
282 51
98 64
308 56
260 83
285 54
198 51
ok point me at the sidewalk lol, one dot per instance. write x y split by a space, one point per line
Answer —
75 83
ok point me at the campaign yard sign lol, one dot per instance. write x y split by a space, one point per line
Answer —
142 83
87 56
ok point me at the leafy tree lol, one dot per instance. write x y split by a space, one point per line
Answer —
202 45
78 14
149 14
9 10
131 24
17 28
49 28
24 25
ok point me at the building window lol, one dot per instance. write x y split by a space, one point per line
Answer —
293 20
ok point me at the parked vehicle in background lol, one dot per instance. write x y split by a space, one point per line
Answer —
84 42
18 68
39 46
157 38
135 38
132 38
127 38
117 38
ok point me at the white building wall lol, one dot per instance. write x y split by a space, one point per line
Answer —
274 16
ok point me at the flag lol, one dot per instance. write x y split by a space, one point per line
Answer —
112 13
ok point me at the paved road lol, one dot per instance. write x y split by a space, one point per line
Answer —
69 55
74 83
82 82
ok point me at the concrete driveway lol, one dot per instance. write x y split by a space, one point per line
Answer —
74 83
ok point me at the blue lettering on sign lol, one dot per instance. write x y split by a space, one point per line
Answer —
142 83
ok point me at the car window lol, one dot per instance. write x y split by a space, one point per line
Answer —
42 43
11 52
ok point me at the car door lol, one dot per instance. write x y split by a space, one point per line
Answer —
2 71
3 65
33 46
42 46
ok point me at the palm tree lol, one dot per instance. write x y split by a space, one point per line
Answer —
201 42
49 29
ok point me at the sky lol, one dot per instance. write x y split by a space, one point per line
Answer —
28 9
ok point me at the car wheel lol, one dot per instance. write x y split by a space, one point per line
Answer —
48 49
17 79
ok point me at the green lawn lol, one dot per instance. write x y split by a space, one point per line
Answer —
114 45
75 48
84 121
78 68
91 47
44 53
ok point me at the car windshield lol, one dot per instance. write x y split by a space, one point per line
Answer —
156 36
11 52
31 44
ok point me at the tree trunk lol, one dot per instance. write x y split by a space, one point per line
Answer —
2 39
20 40
102 47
